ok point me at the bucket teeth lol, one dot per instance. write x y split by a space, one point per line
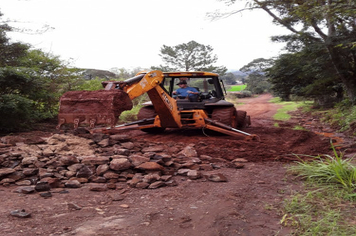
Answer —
92 123
92 107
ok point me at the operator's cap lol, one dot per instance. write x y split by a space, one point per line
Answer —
182 82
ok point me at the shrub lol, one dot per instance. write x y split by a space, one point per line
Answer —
17 112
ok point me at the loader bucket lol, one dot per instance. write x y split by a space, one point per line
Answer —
92 107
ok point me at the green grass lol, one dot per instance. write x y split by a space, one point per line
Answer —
237 88
282 113
327 205
341 116
309 214
131 115
298 127
330 170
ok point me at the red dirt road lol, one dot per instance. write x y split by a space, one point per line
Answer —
244 205
260 110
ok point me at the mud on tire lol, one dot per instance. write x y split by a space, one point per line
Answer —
227 116
147 113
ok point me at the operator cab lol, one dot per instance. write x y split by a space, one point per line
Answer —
208 84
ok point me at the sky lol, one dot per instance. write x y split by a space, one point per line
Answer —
106 34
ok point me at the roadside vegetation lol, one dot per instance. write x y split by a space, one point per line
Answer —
343 117
326 203
326 206
283 112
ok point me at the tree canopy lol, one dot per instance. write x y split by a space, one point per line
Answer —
229 78
327 25
190 56
256 80
31 83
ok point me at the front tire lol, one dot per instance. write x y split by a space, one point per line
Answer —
147 113
226 116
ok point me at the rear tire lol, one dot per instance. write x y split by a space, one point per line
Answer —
147 113
227 116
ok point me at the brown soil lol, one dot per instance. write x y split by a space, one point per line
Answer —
247 204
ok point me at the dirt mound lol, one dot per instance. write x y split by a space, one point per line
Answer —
274 144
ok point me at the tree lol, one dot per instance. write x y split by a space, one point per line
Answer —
31 83
257 83
285 76
229 78
306 74
257 65
123 73
256 80
190 56
322 23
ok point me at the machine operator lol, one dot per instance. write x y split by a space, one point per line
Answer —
185 91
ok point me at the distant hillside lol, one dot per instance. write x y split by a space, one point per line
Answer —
239 74
103 74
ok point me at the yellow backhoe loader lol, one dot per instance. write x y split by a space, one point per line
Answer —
208 110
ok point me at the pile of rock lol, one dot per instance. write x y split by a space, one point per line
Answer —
102 161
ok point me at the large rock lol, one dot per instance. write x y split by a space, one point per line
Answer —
156 184
101 169
30 171
194 174
188 151
94 160
150 166
137 160
128 145
120 164
43 173
29 160
121 151
97 137
25 190
72 184
217 178
68 160
84 172
52 182
6 171
151 177
42 186
104 143
75 167
98 187
110 175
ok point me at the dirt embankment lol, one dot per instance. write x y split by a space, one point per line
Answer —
223 199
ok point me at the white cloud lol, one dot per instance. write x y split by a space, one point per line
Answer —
114 33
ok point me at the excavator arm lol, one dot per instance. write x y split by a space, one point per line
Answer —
105 106
165 105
